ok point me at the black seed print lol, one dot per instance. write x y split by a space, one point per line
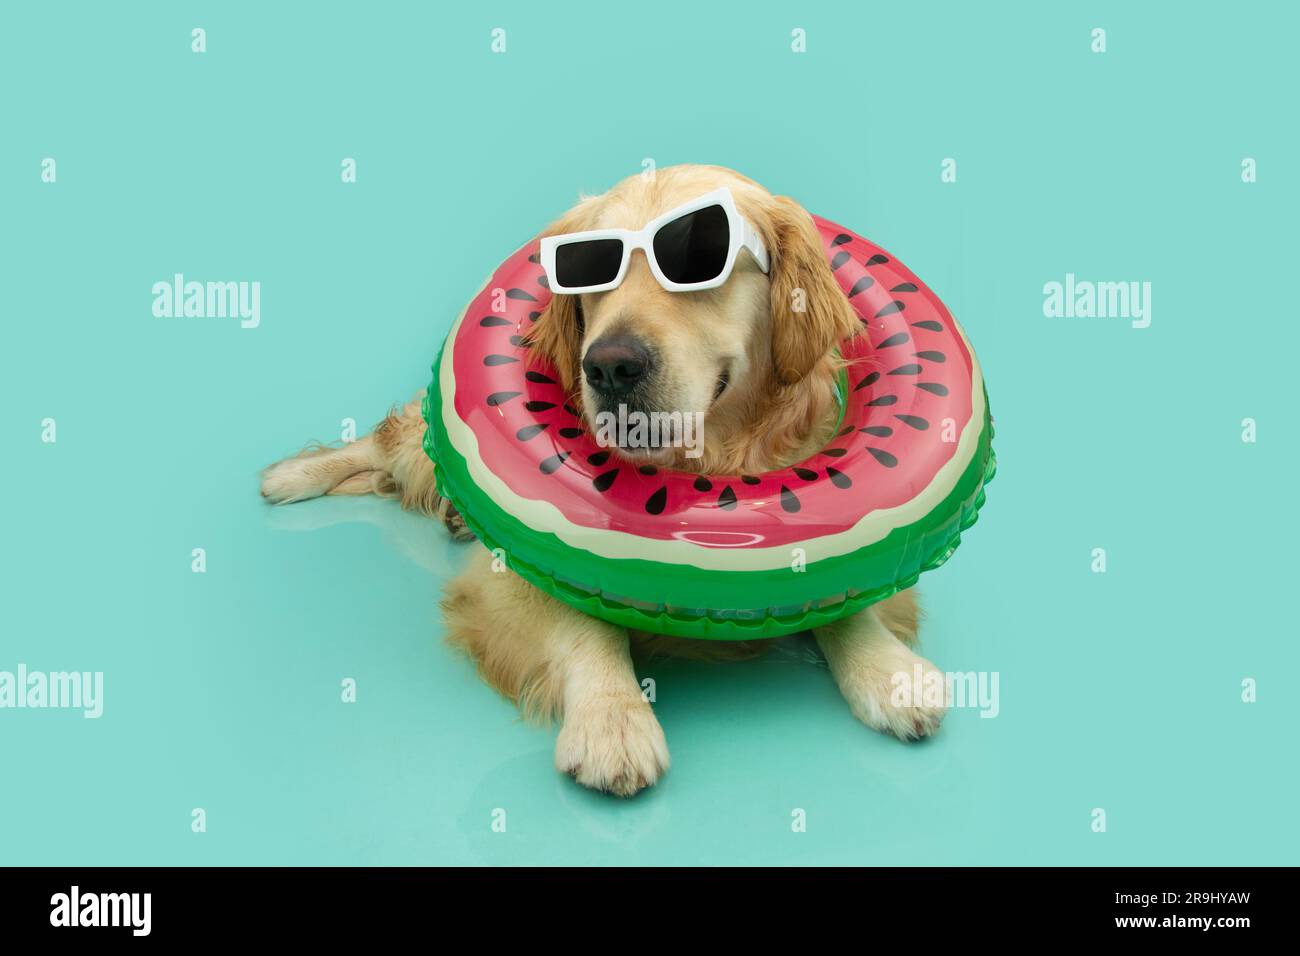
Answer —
656 503
842 238
916 421
598 459
519 294
879 431
551 465
602 481
500 398
835 452
929 325
869 380
648 470
807 474
890 309
703 484
539 378
882 456
907 370
877 260
845 431
571 410
789 500
904 287
838 478
534 316
934 388
932 356
883 400
839 259
750 480
535 258
518 342
539 406
541 281
492 321
530 431
727 500
893 340
570 432
862 285
490 360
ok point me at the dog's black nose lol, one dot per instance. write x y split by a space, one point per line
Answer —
614 364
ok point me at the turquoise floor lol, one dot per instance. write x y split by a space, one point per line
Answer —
1119 691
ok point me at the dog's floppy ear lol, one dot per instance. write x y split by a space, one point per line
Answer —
557 334
810 313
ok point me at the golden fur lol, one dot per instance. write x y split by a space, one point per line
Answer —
758 354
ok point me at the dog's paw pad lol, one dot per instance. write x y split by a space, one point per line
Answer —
455 524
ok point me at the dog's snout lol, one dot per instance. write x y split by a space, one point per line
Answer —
615 364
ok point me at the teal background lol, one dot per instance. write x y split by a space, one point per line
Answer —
1119 691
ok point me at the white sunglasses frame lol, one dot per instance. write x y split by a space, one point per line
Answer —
742 236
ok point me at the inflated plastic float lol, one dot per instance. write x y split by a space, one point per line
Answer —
726 557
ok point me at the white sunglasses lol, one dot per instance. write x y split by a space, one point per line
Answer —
692 247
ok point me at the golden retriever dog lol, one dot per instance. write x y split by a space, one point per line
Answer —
765 378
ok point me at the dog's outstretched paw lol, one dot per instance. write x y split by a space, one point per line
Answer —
887 696
294 479
615 746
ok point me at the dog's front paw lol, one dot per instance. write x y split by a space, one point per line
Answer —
616 746
294 479
893 696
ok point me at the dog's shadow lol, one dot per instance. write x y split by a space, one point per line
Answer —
790 667
415 537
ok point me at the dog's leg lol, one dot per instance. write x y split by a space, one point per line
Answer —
553 660
902 615
864 657
390 462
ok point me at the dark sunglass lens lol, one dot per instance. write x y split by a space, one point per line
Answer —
694 247
593 262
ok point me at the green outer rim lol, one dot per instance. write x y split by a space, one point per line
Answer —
691 593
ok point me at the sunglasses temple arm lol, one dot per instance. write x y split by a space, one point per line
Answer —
754 243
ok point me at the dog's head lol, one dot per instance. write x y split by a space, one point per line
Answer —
721 352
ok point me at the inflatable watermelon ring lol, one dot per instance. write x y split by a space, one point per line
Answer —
732 557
